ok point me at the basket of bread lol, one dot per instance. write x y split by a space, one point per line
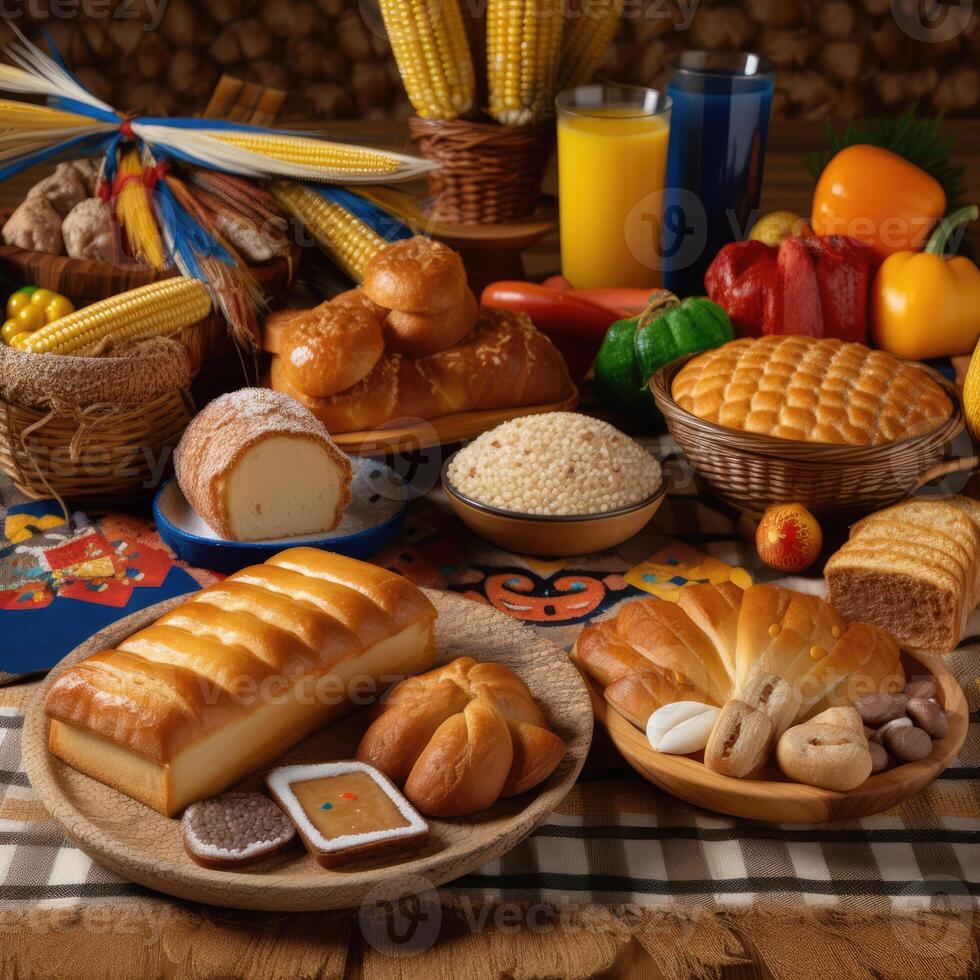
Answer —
832 425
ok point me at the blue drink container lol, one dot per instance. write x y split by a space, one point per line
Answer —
715 161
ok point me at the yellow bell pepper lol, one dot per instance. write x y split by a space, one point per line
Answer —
924 304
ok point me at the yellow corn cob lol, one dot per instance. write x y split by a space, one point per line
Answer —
585 41
136 215
156 309
344 237
523 48
428 40
312 152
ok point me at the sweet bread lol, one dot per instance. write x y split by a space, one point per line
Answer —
331 348
418 334
417 275
232 678
257 466
810 390
460 737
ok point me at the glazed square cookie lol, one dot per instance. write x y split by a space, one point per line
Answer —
346 811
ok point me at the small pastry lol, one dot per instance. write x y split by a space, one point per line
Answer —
236 829
827 756
330 349
417 275
418 335
346 811
681 728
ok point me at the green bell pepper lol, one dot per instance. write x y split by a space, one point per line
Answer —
634 349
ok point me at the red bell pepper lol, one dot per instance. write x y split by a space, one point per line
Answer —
806 285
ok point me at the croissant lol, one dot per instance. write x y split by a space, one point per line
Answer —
461 736
770 657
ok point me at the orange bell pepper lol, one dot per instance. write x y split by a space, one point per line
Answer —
924 304
878 198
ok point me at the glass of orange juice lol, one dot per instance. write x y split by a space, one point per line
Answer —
612 161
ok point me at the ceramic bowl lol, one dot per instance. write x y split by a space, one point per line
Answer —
548 536
379 498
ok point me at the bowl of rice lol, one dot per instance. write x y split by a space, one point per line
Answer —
554 485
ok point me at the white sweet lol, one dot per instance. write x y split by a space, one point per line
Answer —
682 727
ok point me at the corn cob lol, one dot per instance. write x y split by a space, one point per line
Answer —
136 215
311 152
428 40
523 48
344 237
156 309
585 41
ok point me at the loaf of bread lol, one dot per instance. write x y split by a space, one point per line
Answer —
503 363
257 466
236 675
810 390
417 275
461 736
913 569
767 654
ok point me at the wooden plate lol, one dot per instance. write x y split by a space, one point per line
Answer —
443 431
145 847
775 799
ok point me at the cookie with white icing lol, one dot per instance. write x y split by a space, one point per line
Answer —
235 829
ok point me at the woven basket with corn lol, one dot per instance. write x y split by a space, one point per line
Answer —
533 49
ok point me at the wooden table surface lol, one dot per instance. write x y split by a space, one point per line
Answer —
788 185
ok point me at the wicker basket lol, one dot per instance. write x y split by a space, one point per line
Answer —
56 440
488 174
751 472
84 281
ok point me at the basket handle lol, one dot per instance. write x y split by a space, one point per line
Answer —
961 465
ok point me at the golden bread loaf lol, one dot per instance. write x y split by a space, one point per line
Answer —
770 657
461 736
256 465
236 675
503 363
913 569
418 334
811 390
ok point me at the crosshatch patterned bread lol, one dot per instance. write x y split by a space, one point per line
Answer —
236 675
811 390
914 569
719 644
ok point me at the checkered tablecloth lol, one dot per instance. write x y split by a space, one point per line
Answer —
619 863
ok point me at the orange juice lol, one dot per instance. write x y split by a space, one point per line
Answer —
612 161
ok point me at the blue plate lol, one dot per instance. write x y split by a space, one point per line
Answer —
374 516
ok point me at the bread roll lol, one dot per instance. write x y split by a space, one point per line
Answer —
331 349
255 465
504 363
225 683
460 737
417 335
417 275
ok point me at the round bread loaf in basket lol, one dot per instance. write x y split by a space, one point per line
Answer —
752 472
93 429
84 282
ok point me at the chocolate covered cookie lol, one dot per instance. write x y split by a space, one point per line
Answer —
235 829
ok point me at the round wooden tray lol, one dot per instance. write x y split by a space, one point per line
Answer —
442 431
145 847
774 799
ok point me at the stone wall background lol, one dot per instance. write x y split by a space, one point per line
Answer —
836 58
